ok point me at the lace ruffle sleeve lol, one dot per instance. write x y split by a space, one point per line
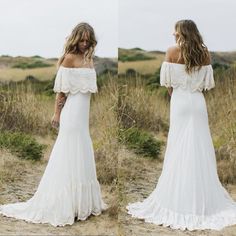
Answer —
73 80
165 75
174 75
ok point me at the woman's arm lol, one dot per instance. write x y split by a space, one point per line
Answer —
60 100
169 58
59 103
170 90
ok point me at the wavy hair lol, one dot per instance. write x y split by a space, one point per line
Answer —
193 50
72 42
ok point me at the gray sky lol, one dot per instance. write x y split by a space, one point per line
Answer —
149 24
39 27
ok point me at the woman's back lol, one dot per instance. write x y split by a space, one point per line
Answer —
174 55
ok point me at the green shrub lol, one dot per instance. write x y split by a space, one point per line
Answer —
21 144
37 56
141 142
135 57
220 66
30 65
131 72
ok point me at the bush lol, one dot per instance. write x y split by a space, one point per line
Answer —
31 78
135 57
220 66
30 65
131 72
141 142
23 145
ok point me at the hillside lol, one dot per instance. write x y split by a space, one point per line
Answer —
147 62
18 68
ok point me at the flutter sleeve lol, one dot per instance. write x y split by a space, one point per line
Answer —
209 81
165 75
74 80
61 83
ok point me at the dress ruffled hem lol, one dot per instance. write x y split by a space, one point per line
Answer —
49 222
168 218
60 211
68 90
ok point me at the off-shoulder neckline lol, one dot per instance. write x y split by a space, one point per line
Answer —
77 68
182 64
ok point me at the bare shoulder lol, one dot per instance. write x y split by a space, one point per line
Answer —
172 54
69 60
173 49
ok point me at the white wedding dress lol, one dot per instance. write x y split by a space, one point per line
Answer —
188 194
69 187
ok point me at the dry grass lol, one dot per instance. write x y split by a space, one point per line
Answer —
12 168
142 107
22 110
7 163
222 119
143 67
15 74
103 123
103 129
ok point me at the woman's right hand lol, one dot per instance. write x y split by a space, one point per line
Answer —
55 121
170 90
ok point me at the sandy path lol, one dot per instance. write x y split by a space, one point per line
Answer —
24 186
138 177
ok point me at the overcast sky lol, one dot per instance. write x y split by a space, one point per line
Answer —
39 27
149 24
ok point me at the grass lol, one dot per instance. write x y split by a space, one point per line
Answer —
30 65
142 67
23 110
135 57
222 113
104 128
22 145
12 168
17 74
141 107
143 143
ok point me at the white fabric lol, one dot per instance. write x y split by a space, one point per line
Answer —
174 75
69 185
188 194
72 80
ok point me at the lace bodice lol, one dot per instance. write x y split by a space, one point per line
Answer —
73 80
174 75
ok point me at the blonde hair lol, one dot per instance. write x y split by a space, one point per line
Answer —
72 42
193 51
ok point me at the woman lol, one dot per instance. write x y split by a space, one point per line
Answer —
188 194
69 188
